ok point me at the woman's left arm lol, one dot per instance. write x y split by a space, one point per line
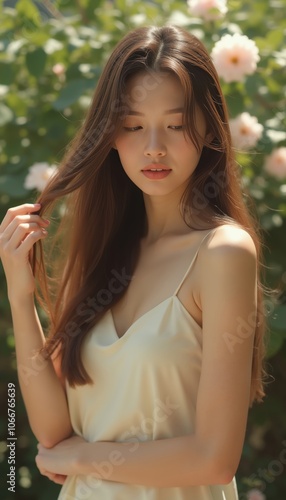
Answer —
211 454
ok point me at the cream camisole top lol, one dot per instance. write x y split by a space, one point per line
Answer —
145 388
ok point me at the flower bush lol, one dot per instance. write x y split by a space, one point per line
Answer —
38 176
254 494
208 9
234 57
275 164
51 55
245 131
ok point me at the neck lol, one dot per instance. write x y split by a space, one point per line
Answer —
163 217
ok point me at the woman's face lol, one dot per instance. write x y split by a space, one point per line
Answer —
152 135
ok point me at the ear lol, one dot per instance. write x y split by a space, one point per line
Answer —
113 146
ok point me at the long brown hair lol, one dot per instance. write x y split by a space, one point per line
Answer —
104 214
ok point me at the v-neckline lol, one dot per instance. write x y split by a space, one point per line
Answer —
148 312
165 300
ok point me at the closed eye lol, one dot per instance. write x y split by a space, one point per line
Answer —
176 127
132 129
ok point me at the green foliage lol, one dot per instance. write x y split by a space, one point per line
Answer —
42 106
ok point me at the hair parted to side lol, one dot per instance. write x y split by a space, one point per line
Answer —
105 217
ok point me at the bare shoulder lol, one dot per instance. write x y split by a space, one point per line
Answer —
229 256
229 241
227 279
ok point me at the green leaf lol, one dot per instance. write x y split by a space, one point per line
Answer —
13 186
278 319
6 74
275 343
72 92
275 38
6 115
36 62
27 9
235 102
37 37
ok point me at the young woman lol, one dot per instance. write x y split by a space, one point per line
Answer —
154 355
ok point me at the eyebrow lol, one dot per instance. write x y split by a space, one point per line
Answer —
167 112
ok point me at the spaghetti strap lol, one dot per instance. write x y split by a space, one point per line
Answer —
193 260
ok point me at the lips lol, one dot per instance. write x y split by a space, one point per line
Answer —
156 171
155 167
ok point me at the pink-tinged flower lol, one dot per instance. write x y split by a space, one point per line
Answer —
208 9
245 131
235 56
275 164
58 69
39 175
255 495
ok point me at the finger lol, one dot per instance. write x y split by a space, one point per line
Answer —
58 478
42 469
20 220
30 240
20 234
26 208
52 476
44 472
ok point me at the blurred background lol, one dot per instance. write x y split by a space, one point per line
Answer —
51 54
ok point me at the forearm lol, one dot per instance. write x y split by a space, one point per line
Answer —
42 392
174 462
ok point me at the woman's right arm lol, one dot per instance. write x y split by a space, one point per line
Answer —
43 393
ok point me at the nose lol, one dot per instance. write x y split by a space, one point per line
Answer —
155 145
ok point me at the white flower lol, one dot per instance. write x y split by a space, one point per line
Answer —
255 495
235 56
275 164
245 131
39 175
208 9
